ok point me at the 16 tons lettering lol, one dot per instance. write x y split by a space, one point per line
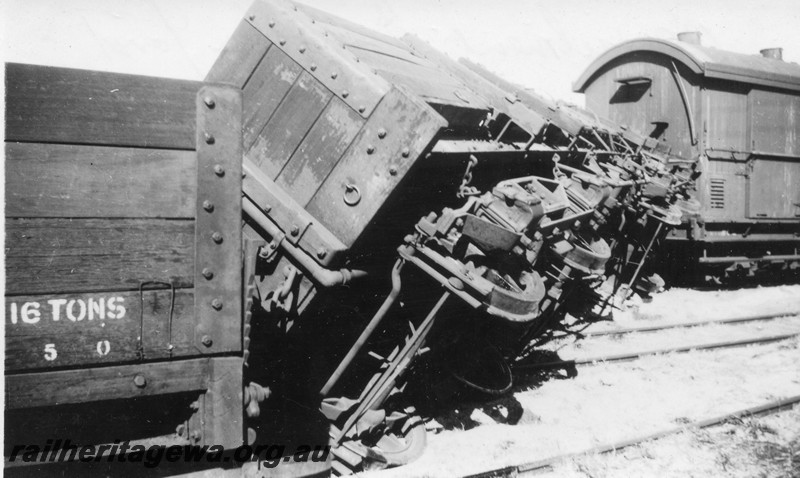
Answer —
75 310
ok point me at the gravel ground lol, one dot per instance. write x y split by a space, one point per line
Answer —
750 447
557 414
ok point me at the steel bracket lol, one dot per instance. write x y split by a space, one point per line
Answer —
218 224
312 237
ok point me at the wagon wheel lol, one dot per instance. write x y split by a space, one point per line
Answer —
484 370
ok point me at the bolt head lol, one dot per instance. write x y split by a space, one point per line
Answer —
393 171
334 75
208 205
209 138
313 67
302 49
252 17
219 170
322 252
361 109
405 152
216 237
209 101
140 381
216 304
370 149
206 340
282 42
295 230
208 273
271 24
345 94
381 133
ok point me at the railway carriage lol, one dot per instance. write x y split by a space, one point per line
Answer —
738 116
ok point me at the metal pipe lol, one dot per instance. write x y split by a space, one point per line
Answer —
365 335
324 277
372 396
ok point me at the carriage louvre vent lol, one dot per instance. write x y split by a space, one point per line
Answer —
717 196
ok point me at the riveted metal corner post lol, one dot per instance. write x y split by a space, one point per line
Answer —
218 241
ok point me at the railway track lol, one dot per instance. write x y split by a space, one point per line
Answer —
679 325
546 464
605 347
628 356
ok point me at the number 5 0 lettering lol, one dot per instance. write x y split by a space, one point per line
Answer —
50 352
103 348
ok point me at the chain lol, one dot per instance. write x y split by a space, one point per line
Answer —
465 189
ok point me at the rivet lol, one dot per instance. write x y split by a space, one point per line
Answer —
381 133
334 75
206 340
219 170
295 230
313 67
322 252
361 109
216 304
271 24
302 49
370 149
345 94
208 273
282 42
209 101
267 208
216 237
208 206
393 171
209 138
253 17
140 381
405 152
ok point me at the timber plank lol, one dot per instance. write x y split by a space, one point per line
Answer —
240 56
264 91
319 152
39 389
324 17
399 131
96 328
289 124
65 105
76 255
58 180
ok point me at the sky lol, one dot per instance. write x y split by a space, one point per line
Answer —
544 45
